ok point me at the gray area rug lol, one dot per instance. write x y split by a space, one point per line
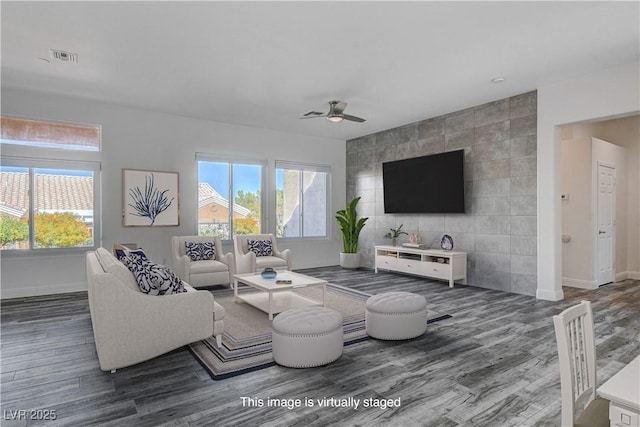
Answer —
246 341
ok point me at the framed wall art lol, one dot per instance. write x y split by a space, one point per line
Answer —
150 198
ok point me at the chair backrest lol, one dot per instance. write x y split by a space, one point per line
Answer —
241 247
179 248
577 357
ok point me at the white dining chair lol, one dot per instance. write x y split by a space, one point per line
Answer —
577 357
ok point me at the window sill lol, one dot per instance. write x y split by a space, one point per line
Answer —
45 252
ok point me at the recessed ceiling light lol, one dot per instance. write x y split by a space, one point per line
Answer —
497 80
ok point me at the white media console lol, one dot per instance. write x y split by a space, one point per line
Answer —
434 263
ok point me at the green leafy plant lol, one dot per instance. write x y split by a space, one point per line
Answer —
60 230
395 233
12 230
350 226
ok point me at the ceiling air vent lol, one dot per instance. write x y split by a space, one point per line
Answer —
63 56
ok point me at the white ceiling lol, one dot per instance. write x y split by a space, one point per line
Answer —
265 63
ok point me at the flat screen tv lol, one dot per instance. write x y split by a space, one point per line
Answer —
428 184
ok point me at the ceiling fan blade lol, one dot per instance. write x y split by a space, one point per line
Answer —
353 118
339 107
314 114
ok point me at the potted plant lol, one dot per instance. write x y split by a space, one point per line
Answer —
350 226
394 234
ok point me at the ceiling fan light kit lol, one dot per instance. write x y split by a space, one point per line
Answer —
335 113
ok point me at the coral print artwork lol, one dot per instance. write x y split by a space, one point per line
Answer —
150 198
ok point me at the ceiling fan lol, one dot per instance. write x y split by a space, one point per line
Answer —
335 114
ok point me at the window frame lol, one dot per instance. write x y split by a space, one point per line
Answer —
31 164
304 167
52 145
231 161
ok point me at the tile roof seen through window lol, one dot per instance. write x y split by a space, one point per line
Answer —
53 192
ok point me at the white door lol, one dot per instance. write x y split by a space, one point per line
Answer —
606 224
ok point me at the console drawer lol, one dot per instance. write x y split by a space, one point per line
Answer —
409 266
388 262
436 269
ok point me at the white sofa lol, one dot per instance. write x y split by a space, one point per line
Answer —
248 262
130 327
219 271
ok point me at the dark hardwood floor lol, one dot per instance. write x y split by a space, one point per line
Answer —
494 363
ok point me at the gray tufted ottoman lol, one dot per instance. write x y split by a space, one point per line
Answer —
306 337
396 316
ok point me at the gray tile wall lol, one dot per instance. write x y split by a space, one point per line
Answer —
499 229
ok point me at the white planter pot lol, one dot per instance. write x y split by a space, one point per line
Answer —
349 260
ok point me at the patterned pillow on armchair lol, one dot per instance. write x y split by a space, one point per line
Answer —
260 247
200 251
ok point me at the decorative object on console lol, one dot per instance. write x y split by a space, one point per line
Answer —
415 241
446 243
350 226
394 234
150 198
414 245
268 273
200 251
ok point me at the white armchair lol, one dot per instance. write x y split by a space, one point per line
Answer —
217 271
248 262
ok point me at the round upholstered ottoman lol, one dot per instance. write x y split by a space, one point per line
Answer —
306 337
396 316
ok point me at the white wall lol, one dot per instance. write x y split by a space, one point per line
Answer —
576 211
606 93
141 139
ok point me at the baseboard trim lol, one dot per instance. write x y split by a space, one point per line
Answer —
548 295
633 275
42 290
621 276
579 283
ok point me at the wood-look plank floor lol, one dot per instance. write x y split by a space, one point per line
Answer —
494 363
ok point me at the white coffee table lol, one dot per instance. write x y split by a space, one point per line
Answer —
273 298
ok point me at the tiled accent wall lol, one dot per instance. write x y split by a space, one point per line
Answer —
498 232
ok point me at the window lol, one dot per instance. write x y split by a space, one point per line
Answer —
302 207
37 133
230 198
48 204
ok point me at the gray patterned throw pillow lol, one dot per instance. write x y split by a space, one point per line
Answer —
260 247
200 251
153 279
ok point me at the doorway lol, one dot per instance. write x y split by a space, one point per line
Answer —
600 201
